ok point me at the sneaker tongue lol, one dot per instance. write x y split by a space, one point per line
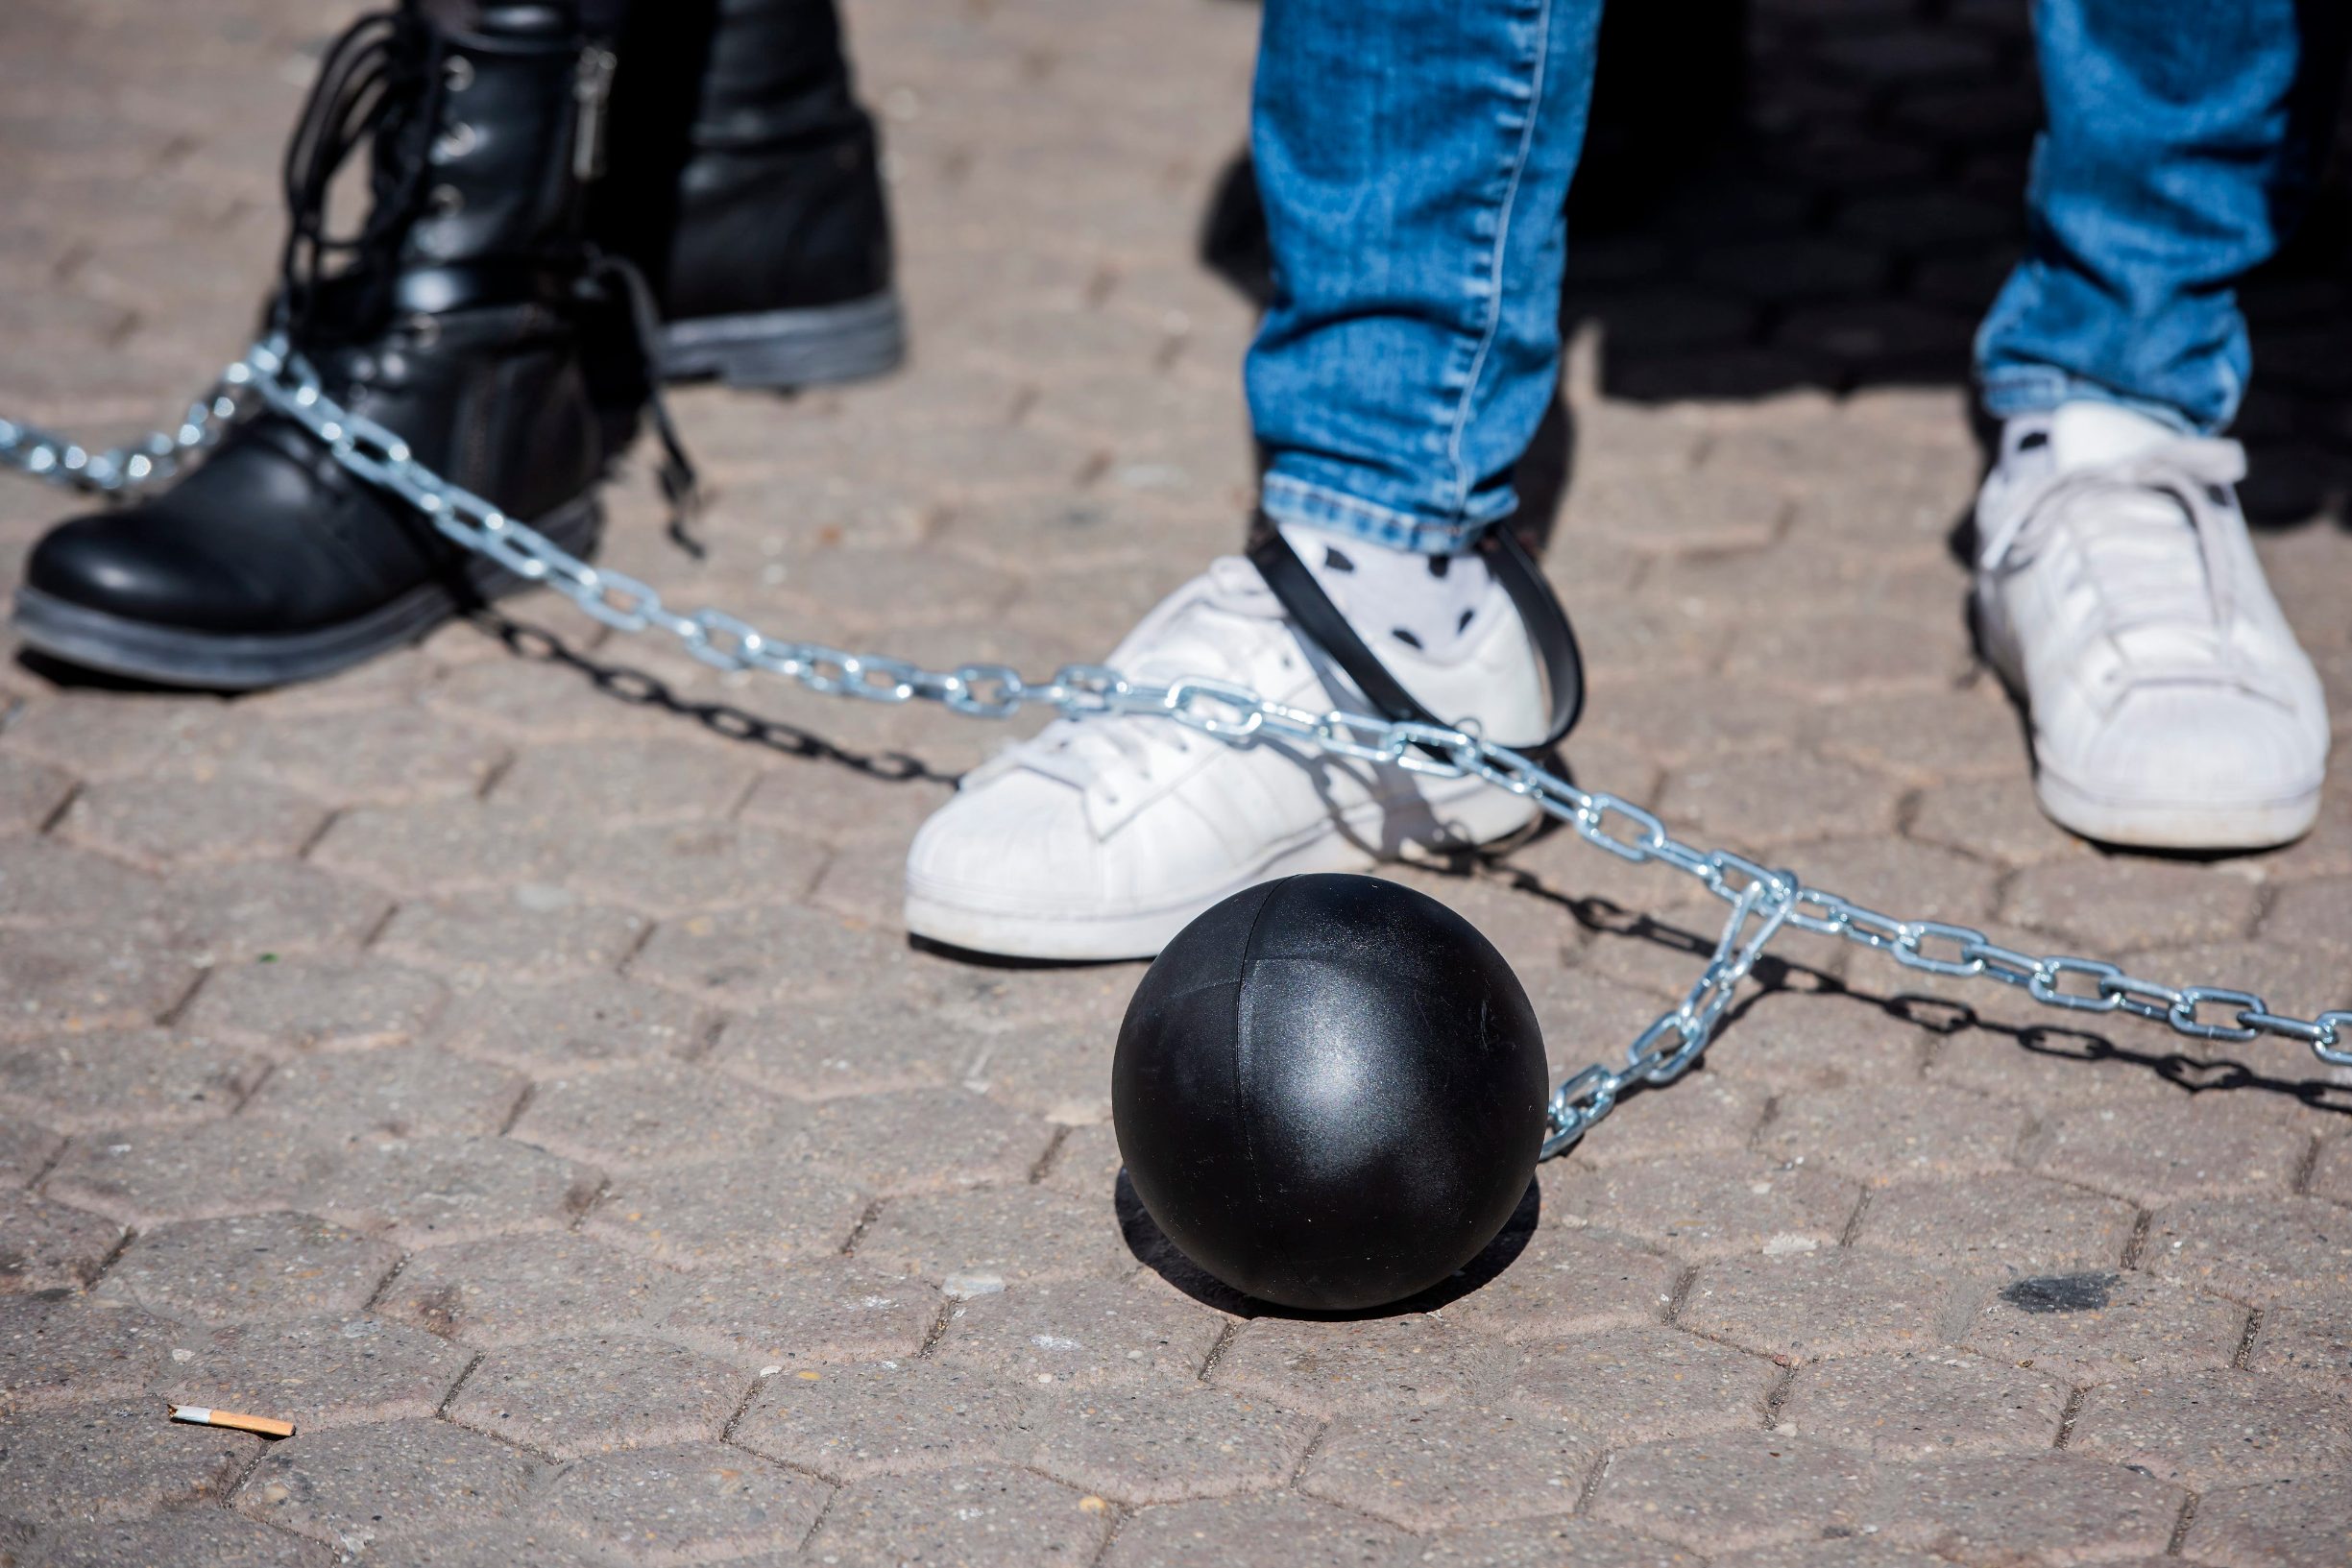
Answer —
2084 435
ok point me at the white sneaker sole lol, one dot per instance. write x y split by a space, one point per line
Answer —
1482 815
2167 825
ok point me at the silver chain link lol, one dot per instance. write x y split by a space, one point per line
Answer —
126 469
1763 902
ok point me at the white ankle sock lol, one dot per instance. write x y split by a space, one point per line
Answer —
1424 602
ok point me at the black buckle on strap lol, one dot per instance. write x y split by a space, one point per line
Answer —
1313 613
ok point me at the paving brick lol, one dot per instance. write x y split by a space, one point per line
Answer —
2279 1524
143 1177
72 982
2106 1327
1830 1301
1797 1043
384 753
2311 1345
189 820
383 1096
2331 1173
1705 1114
848 1423
582 1025
1539 1543
1277 1530
1926 1404
1458 1464
1140 1445
251 1267
1843 1552
652 1114
2053 1069
2255 1250
983 1516
754 959
250 911
47 1247
529 932
216 1539
352 1487
2203 1429
694 1503
864 1046
1795 800
436 1190
59 1347
1556 1280
670 869
444 847
316 1003
1995 818
2125 903
1925 742
1085 1333
1409 1361
2054 1508
2178 1148
989 1237
2317 914
91 735
828 1312
30 793
923 1140
599 1393
26 1151
517 1289
76 1083
729 1212
113 1460
1629 1384
316 1372
2005 1224
618 781
1713 1205
1734 1489
489 1546
44 882
1882 1133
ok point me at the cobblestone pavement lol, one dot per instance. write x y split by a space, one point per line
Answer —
503 1060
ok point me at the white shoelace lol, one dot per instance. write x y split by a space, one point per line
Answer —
2147 530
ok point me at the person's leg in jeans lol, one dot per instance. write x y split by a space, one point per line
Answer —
2116 589
1413 157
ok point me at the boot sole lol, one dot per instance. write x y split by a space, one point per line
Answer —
1475 818
175 656
780 349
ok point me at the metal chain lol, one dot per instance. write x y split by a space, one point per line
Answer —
1763 900
128 468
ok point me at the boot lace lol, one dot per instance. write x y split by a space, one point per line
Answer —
382 82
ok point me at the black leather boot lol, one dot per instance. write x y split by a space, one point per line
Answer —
453 315
745 183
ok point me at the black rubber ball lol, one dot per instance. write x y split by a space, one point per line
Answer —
1329 1091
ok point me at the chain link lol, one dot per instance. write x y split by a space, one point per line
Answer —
1763 901
152 459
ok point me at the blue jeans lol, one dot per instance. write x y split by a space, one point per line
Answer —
1414 157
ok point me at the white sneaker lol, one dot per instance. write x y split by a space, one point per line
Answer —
2118 594
1104 837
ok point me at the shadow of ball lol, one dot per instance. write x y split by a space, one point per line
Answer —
1329 1091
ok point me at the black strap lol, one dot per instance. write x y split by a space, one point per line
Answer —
1313 613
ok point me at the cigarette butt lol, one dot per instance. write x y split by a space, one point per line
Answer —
199 1415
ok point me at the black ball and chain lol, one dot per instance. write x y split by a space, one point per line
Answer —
1329 1091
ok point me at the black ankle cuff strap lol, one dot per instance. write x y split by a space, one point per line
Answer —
1313 613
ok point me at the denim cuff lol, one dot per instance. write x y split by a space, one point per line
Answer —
2011 391
1287 498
